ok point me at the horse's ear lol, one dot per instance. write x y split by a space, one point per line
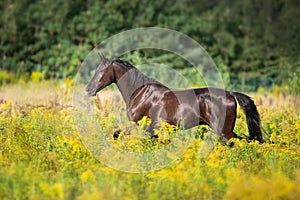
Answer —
101 57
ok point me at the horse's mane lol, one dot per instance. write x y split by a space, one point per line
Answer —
136 75
124 63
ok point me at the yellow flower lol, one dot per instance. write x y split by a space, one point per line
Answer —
36 76
297 125
272 126
53 191
145 121
87 176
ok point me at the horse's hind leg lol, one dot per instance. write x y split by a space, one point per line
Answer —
236 136
224 125
227 130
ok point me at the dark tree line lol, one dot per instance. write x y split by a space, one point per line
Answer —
256 42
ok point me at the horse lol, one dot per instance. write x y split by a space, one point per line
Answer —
188 108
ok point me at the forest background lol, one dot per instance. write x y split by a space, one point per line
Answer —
254 43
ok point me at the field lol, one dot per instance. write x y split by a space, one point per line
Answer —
42 156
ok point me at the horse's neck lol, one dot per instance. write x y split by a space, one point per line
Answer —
131 80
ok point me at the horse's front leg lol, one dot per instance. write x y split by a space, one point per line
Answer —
150 129
117 134
154 114
127 130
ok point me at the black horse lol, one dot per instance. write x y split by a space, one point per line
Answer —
188 108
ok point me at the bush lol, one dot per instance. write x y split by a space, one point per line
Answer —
36 76
6 77
294 81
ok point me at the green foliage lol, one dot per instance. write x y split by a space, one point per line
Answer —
36 76
6 77
294 81
257 42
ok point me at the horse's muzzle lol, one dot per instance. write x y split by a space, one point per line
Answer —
90 92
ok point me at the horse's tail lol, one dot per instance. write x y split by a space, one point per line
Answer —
252 116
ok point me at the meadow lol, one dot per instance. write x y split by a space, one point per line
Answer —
43 157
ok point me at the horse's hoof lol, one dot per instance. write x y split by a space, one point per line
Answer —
116 134
154 136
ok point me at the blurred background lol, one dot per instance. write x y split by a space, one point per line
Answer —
255 44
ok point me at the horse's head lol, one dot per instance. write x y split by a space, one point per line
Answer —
104 76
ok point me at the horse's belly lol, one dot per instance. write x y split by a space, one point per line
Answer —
188 116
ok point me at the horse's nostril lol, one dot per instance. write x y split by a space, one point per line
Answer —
87 89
